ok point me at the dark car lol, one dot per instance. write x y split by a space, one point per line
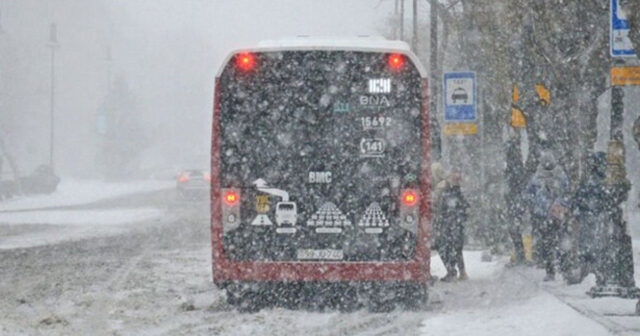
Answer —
459 94
193 184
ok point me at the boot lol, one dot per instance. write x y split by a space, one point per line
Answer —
549 277
451 276
463 275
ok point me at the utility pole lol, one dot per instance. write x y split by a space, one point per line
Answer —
414 36
436 141
395 19
402 20
53 44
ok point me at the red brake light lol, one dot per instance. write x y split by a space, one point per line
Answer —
206 176
396 61
183 178
231 198
409 198
245 61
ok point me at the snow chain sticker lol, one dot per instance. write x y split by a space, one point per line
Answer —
372 147
374 219
328 219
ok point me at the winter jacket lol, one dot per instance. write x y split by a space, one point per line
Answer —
449 223
546 188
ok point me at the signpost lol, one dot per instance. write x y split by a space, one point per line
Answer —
620 43
460 107
621 76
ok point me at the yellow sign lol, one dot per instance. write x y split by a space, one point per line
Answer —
625 76
516 94
460 128
262 203
517 118
543 93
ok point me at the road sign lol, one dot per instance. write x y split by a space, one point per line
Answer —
457 128
544 95
517 117
625 76
619 40
459 96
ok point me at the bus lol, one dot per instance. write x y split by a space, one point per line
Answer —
320 184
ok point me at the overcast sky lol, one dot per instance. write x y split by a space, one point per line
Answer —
168 52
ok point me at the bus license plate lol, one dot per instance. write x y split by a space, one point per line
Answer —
309 254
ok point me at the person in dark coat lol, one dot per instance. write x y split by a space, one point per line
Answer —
452 213
590 208
546 196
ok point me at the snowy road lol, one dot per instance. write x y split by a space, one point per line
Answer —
155 280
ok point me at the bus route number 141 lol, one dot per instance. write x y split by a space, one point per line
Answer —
372 147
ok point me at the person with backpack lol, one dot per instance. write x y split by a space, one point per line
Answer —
546 196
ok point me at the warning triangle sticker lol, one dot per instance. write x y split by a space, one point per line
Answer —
261 220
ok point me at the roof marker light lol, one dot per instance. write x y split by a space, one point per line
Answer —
245 61
396 61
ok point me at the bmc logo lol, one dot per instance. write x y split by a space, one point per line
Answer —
319 177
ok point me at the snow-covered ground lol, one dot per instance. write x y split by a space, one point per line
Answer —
156 280
501 301
75 192
35 228
77 210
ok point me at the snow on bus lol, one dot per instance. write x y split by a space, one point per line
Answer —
319 174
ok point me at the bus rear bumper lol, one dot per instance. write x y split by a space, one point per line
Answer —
313 295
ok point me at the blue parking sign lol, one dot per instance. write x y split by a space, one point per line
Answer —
619 29
459 91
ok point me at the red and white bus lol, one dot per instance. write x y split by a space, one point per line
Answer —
320 173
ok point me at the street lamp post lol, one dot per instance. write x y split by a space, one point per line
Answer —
1 30
53 44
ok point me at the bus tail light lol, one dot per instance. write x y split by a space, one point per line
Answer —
408 210
183 178
230 208
231 198
409 198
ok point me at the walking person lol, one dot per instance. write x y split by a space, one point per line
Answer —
545 195
452 213
590 208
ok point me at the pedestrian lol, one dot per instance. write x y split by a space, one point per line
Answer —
438 184
589 206
545 195
452 213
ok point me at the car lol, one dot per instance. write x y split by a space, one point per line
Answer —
459 94
194 184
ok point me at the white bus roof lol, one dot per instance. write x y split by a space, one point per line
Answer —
368 42
365 43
